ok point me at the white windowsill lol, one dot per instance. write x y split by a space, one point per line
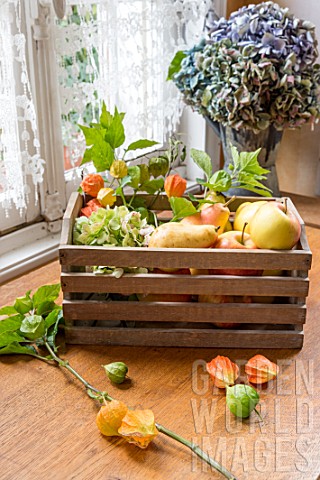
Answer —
20 260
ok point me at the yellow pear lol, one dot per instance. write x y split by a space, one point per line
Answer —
178 235
217 214
228 227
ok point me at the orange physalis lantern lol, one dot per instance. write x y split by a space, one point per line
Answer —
110 417
260 370
175 186
138 427
92 183
222 371
92 206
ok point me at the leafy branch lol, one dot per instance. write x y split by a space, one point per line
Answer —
245 172
31 326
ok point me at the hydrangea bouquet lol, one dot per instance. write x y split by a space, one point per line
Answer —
254 70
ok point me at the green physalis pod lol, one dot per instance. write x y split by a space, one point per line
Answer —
116 371
241 400
144 173
158 166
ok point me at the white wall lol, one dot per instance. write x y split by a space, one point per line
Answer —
298 163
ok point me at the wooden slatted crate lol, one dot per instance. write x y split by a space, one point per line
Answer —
90 320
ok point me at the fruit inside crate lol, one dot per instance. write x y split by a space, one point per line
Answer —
92 319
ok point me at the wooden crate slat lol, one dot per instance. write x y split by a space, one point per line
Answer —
71 213
185 337
185 284
203 258
184 312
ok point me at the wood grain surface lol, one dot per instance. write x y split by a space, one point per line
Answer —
48 429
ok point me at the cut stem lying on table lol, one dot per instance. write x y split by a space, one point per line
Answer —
102 396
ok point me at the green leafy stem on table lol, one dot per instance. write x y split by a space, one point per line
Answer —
30 327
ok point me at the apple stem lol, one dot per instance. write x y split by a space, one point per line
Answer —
242 236
285 205
229 201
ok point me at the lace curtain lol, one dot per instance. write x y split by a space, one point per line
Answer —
119 51
20 161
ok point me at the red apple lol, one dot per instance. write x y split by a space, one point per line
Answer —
275 227
165 297
235 240
224 299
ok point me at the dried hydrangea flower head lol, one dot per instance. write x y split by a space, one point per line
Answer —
254 70
273 30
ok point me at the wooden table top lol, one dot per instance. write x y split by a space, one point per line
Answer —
48 429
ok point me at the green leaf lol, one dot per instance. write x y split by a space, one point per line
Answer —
181 207
106 117
138 202
235 157
15 347
134 174
33 327
92 135
248 162
24 304
124 181
45 308
52 317
152 186
53 330
203 161
115 133
258 191
249 182
175 64
143 143
203 200
8 337
10 324
220 181
46 293
101 154
10 310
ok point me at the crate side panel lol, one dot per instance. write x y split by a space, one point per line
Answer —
185 284
185 258
184 312
184 338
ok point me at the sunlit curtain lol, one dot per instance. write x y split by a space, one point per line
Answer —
119 51
20 163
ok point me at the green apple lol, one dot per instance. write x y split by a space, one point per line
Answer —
245 213
275 227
